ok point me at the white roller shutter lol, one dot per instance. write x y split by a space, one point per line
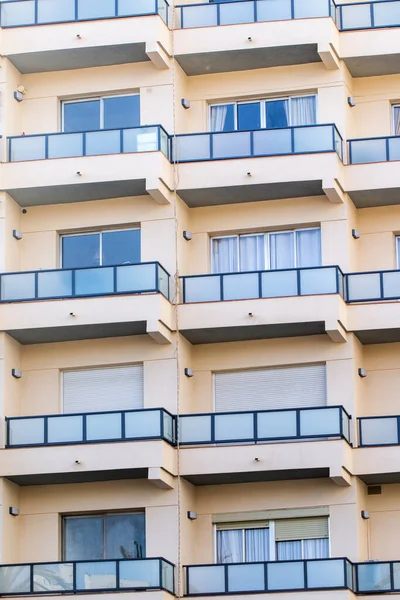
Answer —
265 389
301 529
92 390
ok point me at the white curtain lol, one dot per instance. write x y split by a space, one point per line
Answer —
398 251
252 253
318 548
396 119
230 546
225 255
289 550
282 250
257 545
303 110
308 246
218 116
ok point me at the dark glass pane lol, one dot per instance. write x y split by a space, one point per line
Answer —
121 247
277 113
223 117
125 536
83 538
249 116
81 251
121 112
82 116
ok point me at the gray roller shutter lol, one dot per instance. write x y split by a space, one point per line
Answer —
301 529
265 389
92 390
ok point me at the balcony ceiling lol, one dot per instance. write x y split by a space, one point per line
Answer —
78 477
376 197
373 66
243 60
78 58
378 336
250 477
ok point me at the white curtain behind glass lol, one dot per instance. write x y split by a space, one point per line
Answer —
318 548
218 116
230 546
289 550
398 251
396 119
308 247
299 549
303 110
282 250
225 255
252 253
257 545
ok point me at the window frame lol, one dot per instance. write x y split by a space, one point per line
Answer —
393 124
262 102
267 246
103 516
99 232
397 250
91 99
273 543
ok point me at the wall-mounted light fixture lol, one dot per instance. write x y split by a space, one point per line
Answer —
14 511
365 514
189 372
192 515
17 234
187 236
351 101
362 372
355 233
185 103
17 373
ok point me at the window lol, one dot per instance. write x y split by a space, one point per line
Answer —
104 248
396 119
398 251
283 539
265 251
104 536
112 112
269 114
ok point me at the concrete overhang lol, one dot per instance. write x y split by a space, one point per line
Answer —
83 44
263 318
373 184
375 323
276 462
371 52
245 46
230 181
79 179
377 465
97 462
49 321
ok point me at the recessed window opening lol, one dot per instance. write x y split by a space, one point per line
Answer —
103 248
109 112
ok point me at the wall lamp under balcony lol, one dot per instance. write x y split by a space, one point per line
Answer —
351 101
17 234
192 515
355 233
17 373
362 373
185 103
14 511
189 372
187 236
365 515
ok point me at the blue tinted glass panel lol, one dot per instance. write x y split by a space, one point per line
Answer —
121 112
277 114
125 536
121 247
83 538
81 251
82 116
249 116
223 117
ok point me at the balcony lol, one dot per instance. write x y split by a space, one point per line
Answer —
130 425
264 304
379 431
264 426
91 165
282 576
135 34
378 453
280 34
265 164
77 577
71 304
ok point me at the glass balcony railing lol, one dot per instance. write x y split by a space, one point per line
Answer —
368 15
369 150
79 283
378 577
262 284
82 576
17 13
265 426
88 143
305 139
250 11
379 431
372 286
128 425
317 574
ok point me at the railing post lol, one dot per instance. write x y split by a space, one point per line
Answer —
381 285
226 577
36 12
46 430
116 7
46 146
398 430
298 427
117 574
36 285
255 11
31 580
305 563
122 425
76 10
371 8
387 149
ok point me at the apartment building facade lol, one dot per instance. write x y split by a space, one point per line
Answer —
199 298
